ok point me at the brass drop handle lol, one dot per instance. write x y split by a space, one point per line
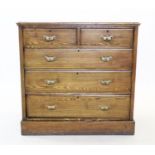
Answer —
106 82
50 82
48 38
104 108
51 107
106 58
107 38
50 58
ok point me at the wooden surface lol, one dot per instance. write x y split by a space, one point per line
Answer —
77 127
33 38
79 106
78 70
22 77
78 24
74 58
134 58
35 81
121 38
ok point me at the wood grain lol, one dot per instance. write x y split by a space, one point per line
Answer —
134 57
121 25
77 82
22 72
121 38
78 71
33 38
79 106
77 127
82 58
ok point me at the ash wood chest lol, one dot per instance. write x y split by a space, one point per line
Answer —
78 78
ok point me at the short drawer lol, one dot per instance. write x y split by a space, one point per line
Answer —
107 38
105 107
71 81
83 58
49 38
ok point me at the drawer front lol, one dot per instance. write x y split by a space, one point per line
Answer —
78 81
71 58
107 38
49 38
106 107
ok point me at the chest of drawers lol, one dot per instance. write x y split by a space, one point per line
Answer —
78 78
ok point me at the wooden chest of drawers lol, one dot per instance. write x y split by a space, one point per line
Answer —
78 78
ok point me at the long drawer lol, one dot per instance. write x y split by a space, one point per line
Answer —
74 58
80 81
105 107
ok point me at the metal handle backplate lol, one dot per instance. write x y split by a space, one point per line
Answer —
50 58
50 82
106 58
107 38
48 38
104 108
106 82
51 107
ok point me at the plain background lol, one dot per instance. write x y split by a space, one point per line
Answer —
14 11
